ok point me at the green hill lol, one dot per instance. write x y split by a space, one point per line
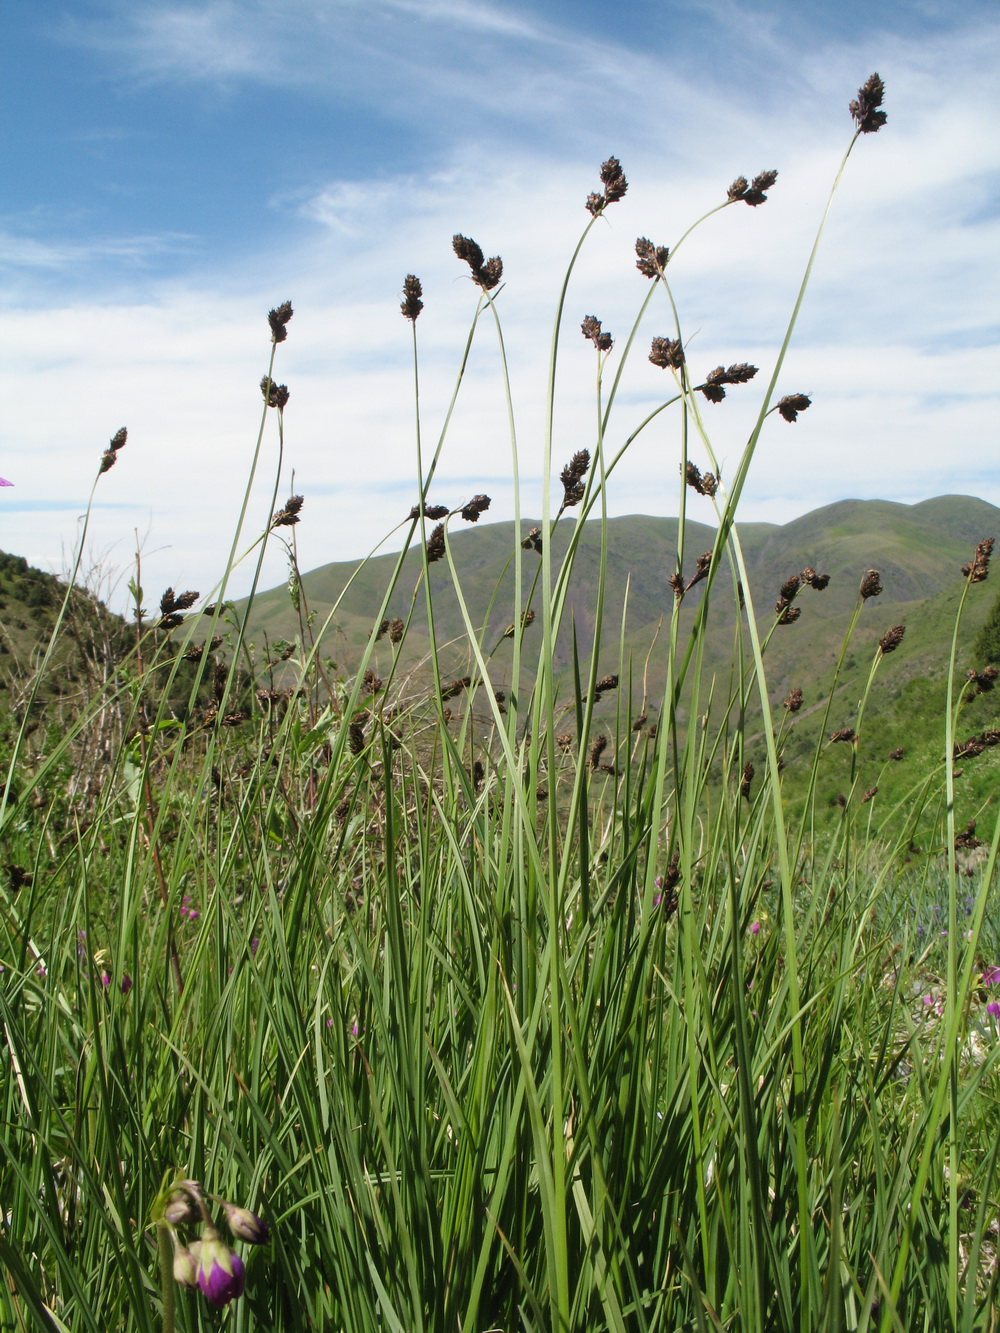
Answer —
917 549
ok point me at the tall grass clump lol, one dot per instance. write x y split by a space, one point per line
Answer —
486 991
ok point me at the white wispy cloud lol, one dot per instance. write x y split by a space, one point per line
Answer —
25 252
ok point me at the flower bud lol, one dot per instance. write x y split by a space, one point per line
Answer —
181 1210
246 1225
220 1271
185 1267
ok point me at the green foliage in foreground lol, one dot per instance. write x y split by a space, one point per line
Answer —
499 1027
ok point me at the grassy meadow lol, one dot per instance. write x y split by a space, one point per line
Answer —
514 970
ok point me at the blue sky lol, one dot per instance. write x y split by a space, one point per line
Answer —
172 170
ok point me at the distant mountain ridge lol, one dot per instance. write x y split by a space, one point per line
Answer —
918 550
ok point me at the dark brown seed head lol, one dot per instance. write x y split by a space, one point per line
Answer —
476 506
533 541
466 248
396 629
411 304
639 723
841 800
275 395
753 194
615 185
694 479
651 259
872 791
591 328
597 748
792 404
843 734
738 373
982 681
382 631
605 684
371 682
435 545
356 736
572 477
278 319
565 740
787 615
746 777
701 567
676 582
487 273
288 516
19 878
865 109
667 352
794 701
118 439
220 673
613 180
977 570
816 581
108 459
478 774
892 638
967 839
430 511
455 687
870 585
171 603
787 591
897 754
492 272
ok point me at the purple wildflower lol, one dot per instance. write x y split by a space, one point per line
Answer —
991 976
993 1007
126 983
5 482
221 1274
755 928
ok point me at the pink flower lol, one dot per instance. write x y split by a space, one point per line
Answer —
220 1274
5 482
755 928
105 978
126 983
991 976
993 1008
